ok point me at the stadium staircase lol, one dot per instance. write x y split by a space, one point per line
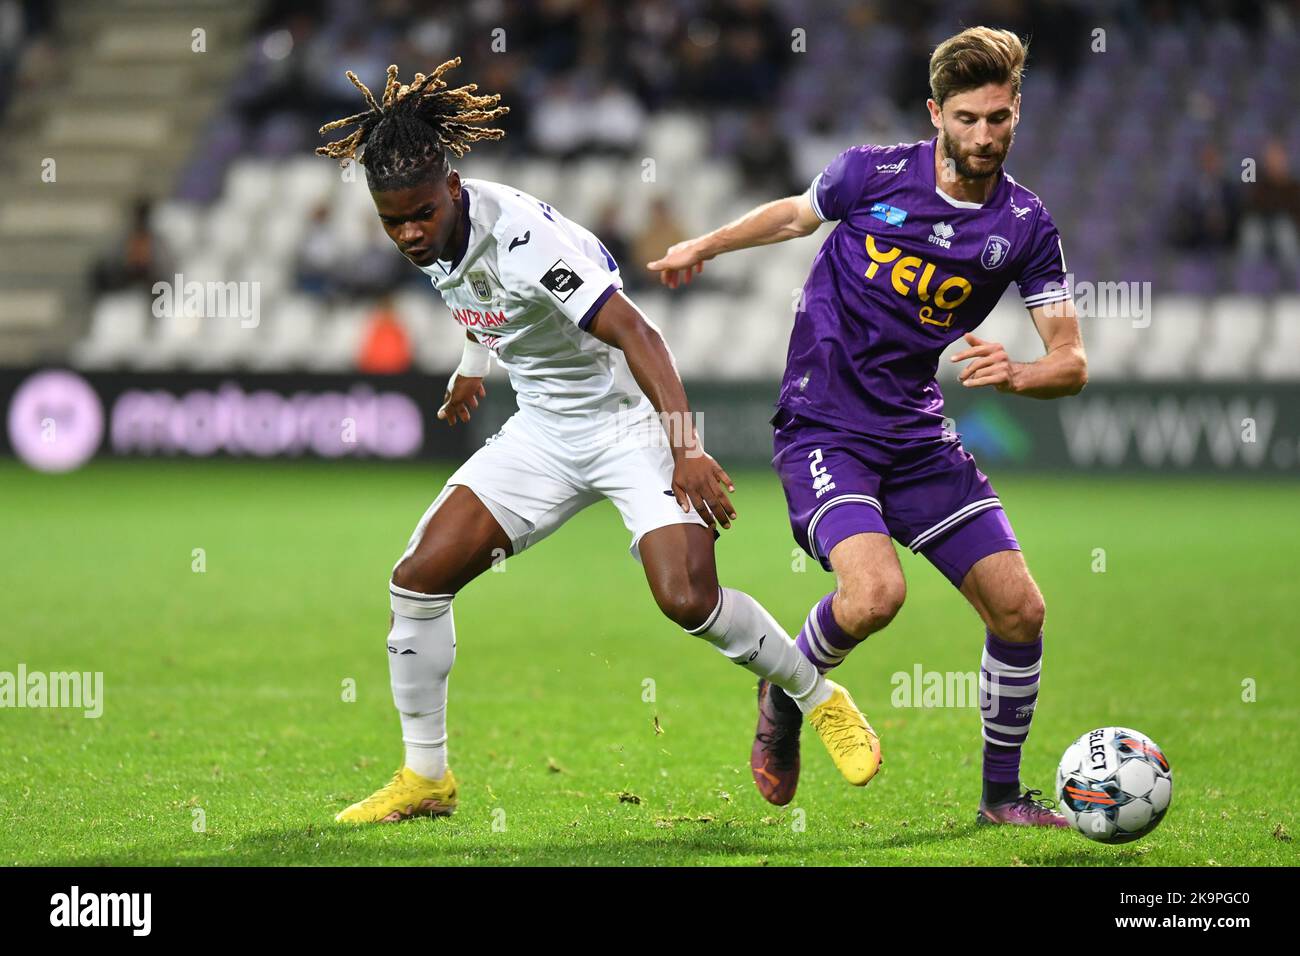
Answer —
119 119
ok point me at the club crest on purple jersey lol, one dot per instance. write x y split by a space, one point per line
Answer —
995 252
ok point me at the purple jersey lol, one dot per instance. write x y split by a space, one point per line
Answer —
906 272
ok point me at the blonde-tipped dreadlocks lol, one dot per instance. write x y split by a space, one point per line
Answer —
404 140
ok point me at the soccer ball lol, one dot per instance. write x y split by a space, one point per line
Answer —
1114 784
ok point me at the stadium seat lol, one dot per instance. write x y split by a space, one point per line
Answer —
1164 349
1281 348
1112 342
118 325
339 342
287 334
308 181
251 184
705 330
675 141
177 224
227 230
1235 330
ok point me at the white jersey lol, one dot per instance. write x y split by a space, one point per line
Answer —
527 284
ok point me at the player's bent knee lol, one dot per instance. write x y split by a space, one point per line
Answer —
415 575
688 607
1021 620
871 608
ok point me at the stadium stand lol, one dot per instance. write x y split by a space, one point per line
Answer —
1138 151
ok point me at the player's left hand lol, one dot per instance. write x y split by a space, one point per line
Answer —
698 481
990 365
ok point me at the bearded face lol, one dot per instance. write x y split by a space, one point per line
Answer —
976 129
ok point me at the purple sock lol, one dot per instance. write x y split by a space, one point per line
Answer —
822 640
1008 692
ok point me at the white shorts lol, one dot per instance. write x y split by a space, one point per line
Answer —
533 480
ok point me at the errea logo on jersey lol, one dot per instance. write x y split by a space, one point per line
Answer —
942 234
892 167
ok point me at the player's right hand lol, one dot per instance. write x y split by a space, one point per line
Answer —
680 262
460 399
698 480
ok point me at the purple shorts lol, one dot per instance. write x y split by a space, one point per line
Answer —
925 493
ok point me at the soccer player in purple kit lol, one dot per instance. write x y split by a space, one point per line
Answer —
929 236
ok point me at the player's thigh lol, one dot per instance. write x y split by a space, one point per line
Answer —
679 565
869 583
508 495
831 485
1005 595
636 475
457 540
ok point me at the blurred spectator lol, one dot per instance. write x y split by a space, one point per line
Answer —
611 235
319 255
385 346
1206 213
27 58
1271 228
616 120
661 231
137 262
571 120
764 158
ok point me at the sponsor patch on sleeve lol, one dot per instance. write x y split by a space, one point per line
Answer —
561 280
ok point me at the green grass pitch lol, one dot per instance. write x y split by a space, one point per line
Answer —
226 738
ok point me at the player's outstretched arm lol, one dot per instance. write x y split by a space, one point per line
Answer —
1062 371
772 222
697 478
465 387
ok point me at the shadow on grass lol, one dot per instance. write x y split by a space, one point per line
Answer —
437 843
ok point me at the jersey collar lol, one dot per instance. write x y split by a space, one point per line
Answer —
464 238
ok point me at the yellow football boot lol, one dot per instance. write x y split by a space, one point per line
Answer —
406 795
853 745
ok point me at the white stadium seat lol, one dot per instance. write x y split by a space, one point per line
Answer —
287 334
1280 355
1235 328
118 326
178 225
1164 350
251 184
705 330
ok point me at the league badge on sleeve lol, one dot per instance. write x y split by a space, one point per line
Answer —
561 280
995 252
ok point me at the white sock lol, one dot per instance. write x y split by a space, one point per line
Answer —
745 633
421 650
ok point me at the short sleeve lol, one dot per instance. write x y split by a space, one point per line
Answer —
839 187
546 265
1042 280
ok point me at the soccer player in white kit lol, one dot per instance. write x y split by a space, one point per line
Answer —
595 384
